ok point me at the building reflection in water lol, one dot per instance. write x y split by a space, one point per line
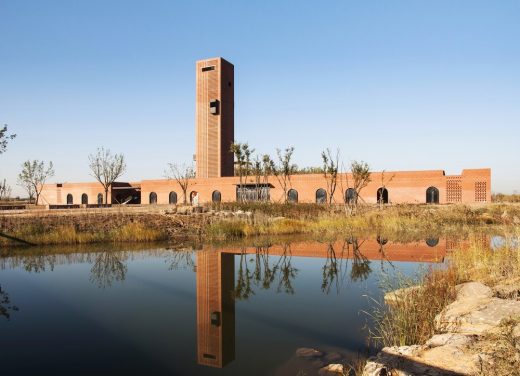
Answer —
215 308
216 290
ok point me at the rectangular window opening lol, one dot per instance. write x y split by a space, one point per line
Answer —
209 356
205 69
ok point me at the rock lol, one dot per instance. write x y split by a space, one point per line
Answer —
317 363
454 339
415 360
331 369
452 358
395 296
509 289
473 290
306 352
475 316
333 357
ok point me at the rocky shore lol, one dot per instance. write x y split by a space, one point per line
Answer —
477 334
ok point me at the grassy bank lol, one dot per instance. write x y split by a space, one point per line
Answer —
69 234
410 319
392 221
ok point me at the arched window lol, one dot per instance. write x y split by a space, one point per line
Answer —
292 196
432 242
216 196
321 196
382 196
350 196
84 199
70 200
172 198
192 194
100 198
432 195
153 198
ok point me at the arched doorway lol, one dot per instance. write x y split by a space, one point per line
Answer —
350 196
292 196
84 199
100 198
432 195
172 198
216 196
321 196
70 200
153 198
382 196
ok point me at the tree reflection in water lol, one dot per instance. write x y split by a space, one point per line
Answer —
5 304
38 263
287 271
243 289
265 273
181 260
360 269
108 267
330 270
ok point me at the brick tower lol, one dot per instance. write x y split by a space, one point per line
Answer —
214 118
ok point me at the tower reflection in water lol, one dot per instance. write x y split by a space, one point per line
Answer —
215 308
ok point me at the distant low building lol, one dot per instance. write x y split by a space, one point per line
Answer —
214 182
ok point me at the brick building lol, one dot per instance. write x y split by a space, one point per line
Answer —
215 180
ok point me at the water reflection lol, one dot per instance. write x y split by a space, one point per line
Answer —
108 268
5 304
226 276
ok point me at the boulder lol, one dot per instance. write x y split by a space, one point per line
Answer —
454 339
476 316
473 290
398 295
331 369
307 352
333 357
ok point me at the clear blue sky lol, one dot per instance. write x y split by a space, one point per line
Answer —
403 85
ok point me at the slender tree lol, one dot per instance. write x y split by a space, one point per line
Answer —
106 168
184 174
5 138
5 190
33 176
285 169
330 172
361 177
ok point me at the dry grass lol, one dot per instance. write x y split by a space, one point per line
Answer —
68 234
410 320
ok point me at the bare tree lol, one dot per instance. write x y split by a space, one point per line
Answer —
381 191
183 173
330 172
285 169
361 177
242 154
33 176
4 138
106 168
5 190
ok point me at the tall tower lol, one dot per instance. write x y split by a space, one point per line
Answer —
214 118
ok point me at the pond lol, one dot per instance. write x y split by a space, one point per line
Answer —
231 310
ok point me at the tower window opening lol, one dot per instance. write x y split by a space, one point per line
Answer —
210 68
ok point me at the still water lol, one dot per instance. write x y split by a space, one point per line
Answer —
231 310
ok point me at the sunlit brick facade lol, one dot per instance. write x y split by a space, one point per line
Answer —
214 133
